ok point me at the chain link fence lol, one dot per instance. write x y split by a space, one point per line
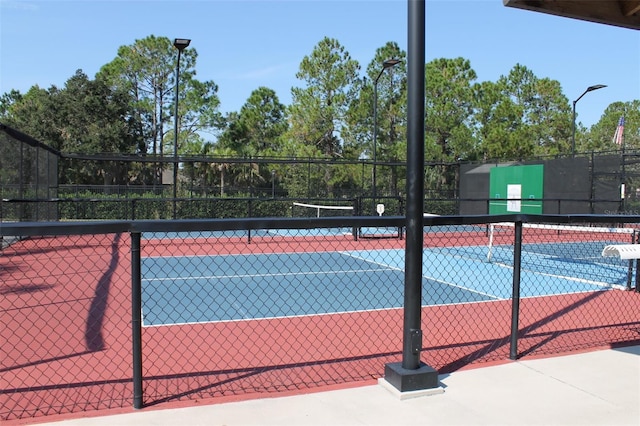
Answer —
115 314
66 332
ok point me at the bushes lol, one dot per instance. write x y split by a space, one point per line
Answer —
91 206
149 206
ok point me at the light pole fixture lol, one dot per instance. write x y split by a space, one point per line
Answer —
573 129
385 65
180 44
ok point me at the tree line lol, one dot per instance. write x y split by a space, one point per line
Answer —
128 109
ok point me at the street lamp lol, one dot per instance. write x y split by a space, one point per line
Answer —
573 132
386 64
180 44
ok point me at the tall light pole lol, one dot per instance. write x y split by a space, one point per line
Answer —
180 44
273 184
386 64
573 132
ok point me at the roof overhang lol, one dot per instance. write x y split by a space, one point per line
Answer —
620 13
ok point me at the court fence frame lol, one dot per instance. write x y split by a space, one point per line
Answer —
36 183
135 229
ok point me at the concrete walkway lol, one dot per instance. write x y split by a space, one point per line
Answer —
594 388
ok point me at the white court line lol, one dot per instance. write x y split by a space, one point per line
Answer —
278 317
427 277
564 277
283 274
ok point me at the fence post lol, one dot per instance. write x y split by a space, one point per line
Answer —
249 214
515 301
136 320
636 240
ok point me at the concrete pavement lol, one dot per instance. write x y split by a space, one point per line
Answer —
593 388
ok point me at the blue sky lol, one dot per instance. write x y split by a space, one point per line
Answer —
243 44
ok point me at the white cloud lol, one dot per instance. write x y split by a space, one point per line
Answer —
18 5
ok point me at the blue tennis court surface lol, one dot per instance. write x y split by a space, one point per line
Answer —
579 265
191 289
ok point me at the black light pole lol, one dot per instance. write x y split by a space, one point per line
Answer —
273 184
386 64
412 374
573 132
363 156
180 44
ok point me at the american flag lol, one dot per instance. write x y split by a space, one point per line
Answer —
618 136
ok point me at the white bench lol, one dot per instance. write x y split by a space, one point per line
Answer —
628 252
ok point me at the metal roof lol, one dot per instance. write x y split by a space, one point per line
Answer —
620 13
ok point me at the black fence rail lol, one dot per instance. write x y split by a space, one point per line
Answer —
100 315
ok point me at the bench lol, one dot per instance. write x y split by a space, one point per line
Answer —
628 252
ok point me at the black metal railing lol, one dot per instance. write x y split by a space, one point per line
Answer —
100 315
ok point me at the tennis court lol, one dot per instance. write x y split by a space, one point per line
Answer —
231 287
292 309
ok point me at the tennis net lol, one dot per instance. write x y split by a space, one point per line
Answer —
319 210
559 240
569 251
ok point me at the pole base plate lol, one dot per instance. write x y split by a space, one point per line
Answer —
424 377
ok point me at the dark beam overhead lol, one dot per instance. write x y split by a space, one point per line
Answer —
620 13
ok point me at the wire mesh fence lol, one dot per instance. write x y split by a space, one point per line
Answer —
28 171
114 314
65 325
